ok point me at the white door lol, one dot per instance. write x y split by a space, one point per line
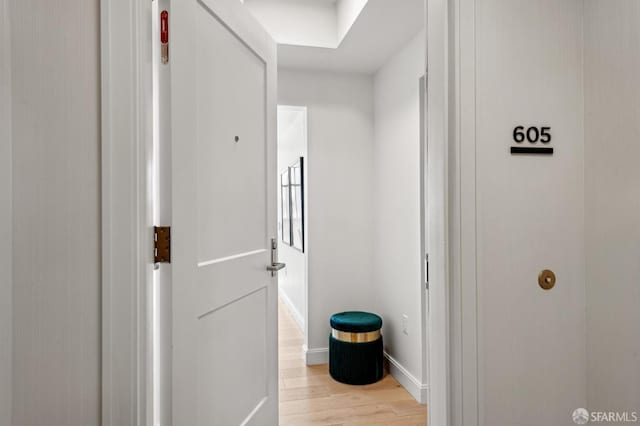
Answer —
223 130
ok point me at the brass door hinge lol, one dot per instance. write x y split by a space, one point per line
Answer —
162 244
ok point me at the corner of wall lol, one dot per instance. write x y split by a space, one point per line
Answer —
417 389
315 356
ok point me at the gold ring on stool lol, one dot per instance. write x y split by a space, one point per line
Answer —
345 336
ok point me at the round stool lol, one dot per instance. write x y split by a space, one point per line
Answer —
355 348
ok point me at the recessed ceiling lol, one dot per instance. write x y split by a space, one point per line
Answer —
378 31
313 23
319 1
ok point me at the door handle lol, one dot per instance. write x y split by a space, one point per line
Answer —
275 265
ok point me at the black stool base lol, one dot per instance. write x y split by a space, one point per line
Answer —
356 363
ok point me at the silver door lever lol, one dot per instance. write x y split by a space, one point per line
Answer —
275 265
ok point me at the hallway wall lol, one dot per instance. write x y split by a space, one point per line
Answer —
612 198
399 287
340 242
56 212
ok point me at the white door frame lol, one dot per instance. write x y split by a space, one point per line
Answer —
127 222
6 220
126 210
436 216
467 399
451 221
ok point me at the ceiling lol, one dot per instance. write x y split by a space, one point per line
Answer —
319 1
313 1
383 27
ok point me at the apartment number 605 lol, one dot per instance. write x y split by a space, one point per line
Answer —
533 134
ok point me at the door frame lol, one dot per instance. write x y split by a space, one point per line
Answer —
467 399
6 219
127 263
451 222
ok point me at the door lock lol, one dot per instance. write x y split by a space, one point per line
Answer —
547 279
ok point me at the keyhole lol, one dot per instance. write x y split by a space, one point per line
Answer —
236 139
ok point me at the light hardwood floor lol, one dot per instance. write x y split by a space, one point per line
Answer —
309 396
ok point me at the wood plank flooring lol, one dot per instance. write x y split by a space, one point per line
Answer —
309 396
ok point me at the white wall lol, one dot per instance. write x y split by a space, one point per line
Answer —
340 128
292 144
56 193
612 197
529 214
6 262
397 278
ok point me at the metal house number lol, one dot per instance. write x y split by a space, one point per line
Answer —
532 135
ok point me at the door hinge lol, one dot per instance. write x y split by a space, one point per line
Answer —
162 244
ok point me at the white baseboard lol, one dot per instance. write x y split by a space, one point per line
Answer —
316 356
417 389
297 317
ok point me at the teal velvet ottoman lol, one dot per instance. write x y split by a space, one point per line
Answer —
355 348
